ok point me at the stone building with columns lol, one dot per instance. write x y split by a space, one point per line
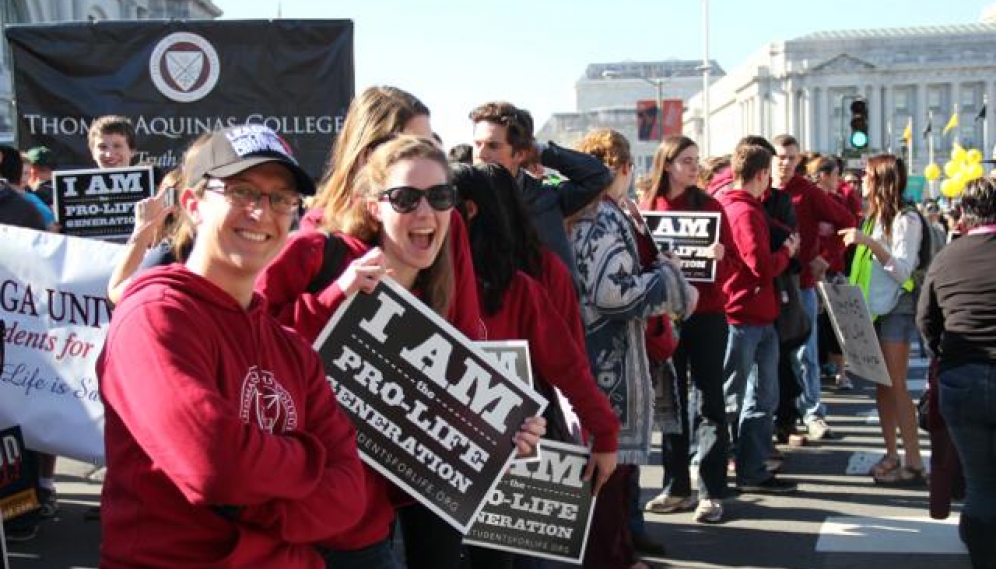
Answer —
42 11
805 86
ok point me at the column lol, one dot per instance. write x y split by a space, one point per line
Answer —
823 132
791 115
878 119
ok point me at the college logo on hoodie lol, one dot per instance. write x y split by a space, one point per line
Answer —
266 401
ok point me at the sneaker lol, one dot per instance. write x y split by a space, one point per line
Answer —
818 429
709 511
49 503
773 485
844 383
665 503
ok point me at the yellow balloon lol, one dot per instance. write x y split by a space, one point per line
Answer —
932 172
958 153
952 167
973 171
973 156
950 189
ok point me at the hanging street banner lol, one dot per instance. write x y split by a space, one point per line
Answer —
433 413
53 301
541 508
855 332
177 79
18 476
100 203
686 234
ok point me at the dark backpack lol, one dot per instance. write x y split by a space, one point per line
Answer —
333 255
930 244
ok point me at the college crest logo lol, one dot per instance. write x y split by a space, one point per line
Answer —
266 402
184 67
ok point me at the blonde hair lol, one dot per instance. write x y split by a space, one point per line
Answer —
612 149
373 117
184 231
436 282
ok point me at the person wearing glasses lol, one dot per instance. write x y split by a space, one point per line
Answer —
397 225
225 446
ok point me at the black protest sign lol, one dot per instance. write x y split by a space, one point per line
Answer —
852 324
100 203
541 508
177 79
433 413
687 234
513 357
18 475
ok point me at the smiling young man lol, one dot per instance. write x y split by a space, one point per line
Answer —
503 135
225 445
111 140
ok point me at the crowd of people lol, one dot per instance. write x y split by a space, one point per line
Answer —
224 285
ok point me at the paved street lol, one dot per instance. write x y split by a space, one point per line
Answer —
838 519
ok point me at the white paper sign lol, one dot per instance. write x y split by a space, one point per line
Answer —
853 325
53 300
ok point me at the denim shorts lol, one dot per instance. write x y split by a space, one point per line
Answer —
893 328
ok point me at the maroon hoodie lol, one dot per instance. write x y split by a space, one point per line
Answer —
813 206
208 404
750 287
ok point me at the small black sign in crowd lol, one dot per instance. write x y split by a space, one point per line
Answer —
100 203
686 234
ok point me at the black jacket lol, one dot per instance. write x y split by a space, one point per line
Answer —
548 204
16 210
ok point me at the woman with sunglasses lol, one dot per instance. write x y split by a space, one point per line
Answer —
397 224
375 116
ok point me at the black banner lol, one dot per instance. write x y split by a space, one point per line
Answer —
433 413
541 508
178 79
18 477
100 203
686 234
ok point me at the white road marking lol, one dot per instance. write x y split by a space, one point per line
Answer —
858 534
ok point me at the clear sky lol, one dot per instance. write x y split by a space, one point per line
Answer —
456 54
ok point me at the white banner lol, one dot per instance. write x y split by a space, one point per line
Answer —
53 300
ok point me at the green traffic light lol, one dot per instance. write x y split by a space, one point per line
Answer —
859 139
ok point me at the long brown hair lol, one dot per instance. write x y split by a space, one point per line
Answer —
183 232
886 184
373 117
666 154
435 282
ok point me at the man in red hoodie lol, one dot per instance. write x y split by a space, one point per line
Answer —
812 207
751 310
225 444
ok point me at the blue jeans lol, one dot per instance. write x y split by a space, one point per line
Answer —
968 405
377 556
806 363
753 395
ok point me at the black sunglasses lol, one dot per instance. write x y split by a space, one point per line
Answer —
405 199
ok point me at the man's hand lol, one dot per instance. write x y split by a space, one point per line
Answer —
792 244
529 434
818 266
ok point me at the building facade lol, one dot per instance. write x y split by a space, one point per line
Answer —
907 77
45 11
607 96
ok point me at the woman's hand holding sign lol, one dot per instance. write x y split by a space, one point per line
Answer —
364 273
529 434
601 464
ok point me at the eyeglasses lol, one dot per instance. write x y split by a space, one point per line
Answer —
405 199
244 195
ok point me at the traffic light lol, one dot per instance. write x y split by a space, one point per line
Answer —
859 124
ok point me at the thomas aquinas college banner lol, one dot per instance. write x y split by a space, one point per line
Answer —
178 79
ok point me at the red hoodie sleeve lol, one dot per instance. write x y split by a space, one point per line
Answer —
828 210
465 311
565 366
731 255
339 499
178 417
290 272
751 241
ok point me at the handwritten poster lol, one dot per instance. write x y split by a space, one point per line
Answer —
853 325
